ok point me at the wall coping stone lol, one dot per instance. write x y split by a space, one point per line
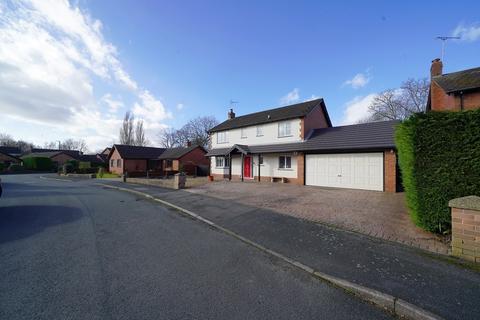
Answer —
469 202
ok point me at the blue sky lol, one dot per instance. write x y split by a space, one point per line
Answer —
182 59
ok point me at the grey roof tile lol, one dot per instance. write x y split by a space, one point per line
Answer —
459 81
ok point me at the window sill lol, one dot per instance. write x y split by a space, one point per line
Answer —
285 136
259 135
222 142
285 169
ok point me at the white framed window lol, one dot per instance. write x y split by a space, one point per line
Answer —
111 163
222 162
222 137
284 129
259 131
243 133
119 162
285 162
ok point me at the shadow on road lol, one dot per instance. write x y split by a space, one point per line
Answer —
18 222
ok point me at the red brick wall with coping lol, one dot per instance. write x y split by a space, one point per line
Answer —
390 171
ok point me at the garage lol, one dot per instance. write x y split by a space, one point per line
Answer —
345 170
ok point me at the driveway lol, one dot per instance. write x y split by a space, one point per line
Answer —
378 214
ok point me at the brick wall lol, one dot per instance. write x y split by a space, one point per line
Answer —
236 177
466 228
390 171
300 169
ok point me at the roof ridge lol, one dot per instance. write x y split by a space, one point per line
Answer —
278 108
454 72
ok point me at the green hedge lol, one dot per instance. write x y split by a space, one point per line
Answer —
439 157
38 163
2 166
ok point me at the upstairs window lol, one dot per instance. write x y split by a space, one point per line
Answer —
222 137
284 162
284 129
243 133
259 131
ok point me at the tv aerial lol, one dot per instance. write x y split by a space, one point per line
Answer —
444 40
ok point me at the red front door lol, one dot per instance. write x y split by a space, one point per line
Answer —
247 167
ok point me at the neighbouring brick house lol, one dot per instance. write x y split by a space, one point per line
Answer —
134 160
190 159
9 155
58 157
298 144
104 154
454 91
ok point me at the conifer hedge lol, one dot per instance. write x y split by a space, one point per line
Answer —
439 158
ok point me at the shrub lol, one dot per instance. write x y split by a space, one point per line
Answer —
2 166
15 167
73 163
85 170
439 156
84 165
100 172
38 163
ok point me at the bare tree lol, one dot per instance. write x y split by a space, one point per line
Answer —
127 130
194 131
398 104
7 140
68 144
168 138
140 139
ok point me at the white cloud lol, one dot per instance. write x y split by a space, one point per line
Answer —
467 33
151 110
180 106
360 80
357 109
50 53
292 96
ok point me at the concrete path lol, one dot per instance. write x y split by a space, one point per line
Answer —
72 250
421 278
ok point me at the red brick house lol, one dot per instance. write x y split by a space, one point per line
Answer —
58 157
9 155
454 91
134 160
188 159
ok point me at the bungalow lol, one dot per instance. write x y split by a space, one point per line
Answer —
104 154
190 159
298 144
453 91
9 155
134 160
58 157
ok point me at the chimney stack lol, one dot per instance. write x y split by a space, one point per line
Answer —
437 68
231 114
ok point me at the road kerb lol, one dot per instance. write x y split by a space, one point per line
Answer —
385 301
56 179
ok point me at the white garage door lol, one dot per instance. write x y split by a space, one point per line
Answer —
351 170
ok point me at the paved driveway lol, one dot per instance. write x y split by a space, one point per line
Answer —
379 214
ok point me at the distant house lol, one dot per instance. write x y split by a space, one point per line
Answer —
95 160
58 157
104 154
9 155
453 91
134 160
190 159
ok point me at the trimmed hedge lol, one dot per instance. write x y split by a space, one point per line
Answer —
2 166
439 157
84 165
38 163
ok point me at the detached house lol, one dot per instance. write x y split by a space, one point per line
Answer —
9 155
454 91
190 159
134 160
298 144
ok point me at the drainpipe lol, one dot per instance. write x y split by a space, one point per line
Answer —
242 167
259 167
461 100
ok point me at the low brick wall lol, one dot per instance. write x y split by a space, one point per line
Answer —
466 228
169 183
